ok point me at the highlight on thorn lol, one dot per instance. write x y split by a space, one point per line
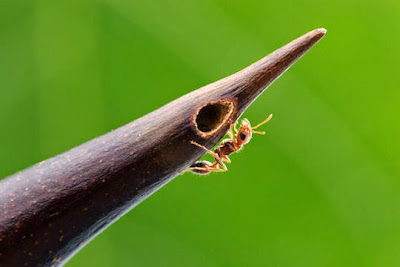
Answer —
237 139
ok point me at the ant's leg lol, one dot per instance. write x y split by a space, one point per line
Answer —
233 138
235 127
215 167
230 132
226 159
215 155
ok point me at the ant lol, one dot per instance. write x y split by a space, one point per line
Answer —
226 147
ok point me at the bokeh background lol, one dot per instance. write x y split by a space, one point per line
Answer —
321 188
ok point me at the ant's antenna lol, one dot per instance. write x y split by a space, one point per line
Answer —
260 124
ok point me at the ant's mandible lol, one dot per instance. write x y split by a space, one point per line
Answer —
237 138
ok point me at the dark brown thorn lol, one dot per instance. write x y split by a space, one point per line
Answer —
126 165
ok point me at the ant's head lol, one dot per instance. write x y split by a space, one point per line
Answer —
245 131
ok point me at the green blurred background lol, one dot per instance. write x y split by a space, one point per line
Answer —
321 188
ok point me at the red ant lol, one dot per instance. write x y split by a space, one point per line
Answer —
226 147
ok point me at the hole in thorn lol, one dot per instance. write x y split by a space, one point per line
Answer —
211 117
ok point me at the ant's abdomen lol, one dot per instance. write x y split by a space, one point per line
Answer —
201 167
